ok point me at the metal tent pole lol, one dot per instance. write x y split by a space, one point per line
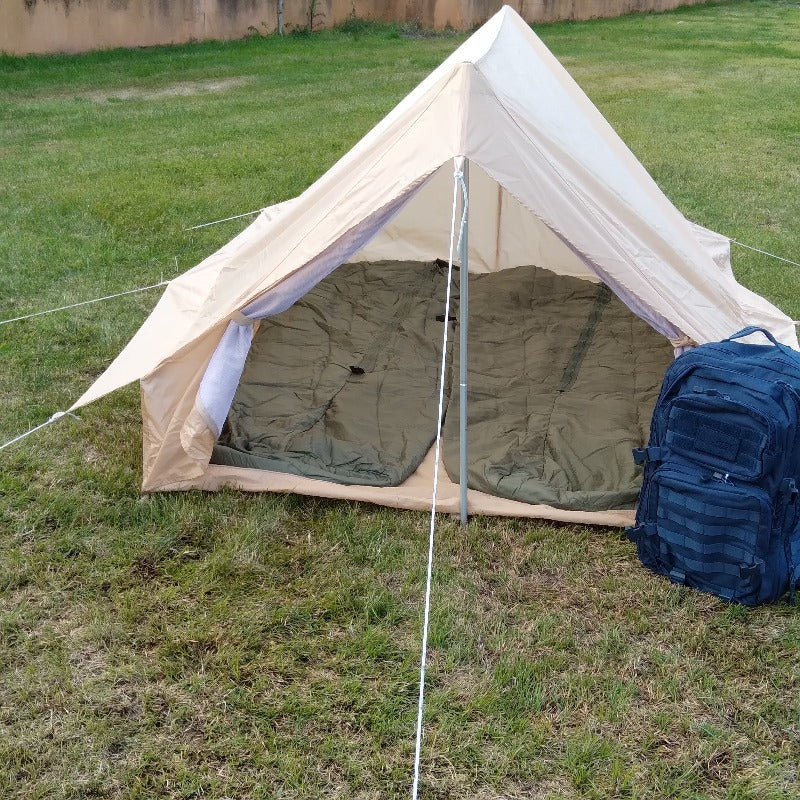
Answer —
463 315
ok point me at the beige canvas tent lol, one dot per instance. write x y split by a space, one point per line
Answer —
563 222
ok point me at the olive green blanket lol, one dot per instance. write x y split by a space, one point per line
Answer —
343 386
561 383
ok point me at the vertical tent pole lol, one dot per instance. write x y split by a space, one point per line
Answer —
463 315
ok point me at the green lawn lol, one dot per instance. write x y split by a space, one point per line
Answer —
232 646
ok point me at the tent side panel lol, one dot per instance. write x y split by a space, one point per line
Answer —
176 439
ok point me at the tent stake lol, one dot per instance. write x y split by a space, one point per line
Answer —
462 346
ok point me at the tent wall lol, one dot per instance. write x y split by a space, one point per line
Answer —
176 438
502 233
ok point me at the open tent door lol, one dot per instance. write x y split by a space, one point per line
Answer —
340 389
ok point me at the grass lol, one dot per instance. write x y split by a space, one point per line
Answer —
267 647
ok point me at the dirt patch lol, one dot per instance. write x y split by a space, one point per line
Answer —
184 89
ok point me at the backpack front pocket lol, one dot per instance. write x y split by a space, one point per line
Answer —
727 436
707 533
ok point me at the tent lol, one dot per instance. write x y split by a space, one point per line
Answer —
565 228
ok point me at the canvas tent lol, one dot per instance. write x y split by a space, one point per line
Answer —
551 187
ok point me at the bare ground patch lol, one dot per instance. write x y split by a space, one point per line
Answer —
182 89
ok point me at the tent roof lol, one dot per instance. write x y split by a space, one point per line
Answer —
503 101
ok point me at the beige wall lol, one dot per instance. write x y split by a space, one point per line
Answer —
47 26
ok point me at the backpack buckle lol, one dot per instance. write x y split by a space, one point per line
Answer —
677 576
642 455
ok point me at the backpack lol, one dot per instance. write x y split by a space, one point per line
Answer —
718 509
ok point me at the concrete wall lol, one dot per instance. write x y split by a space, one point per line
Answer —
48 26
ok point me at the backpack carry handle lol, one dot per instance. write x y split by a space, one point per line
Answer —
755 329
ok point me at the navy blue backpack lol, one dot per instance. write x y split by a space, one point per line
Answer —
718 509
